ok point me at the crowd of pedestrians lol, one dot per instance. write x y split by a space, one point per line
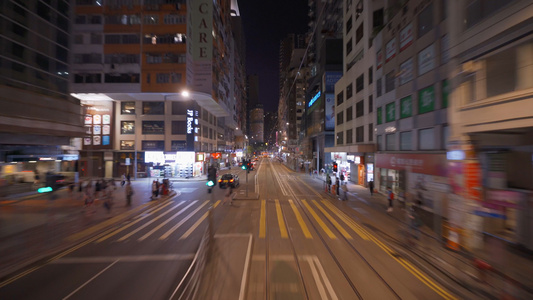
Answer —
92 191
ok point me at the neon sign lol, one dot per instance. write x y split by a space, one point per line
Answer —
313 100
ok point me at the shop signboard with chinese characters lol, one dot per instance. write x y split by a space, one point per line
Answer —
426 100
98 125
431 164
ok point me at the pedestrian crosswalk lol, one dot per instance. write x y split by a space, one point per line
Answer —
326 217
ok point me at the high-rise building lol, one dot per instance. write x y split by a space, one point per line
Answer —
38 118
257 125
133 61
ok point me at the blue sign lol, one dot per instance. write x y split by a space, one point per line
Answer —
331 79
313 100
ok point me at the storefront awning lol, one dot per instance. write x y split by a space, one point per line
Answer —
362 148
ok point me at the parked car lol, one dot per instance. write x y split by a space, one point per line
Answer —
228 180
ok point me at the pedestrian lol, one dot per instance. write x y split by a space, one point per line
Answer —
154 190
345 192
128 177
415 222
97 188
228 195
342 178
390 197
71 189
328 182
123 180
129 193
371 187
337 186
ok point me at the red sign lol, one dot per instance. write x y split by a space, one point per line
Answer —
379 59
406 37
473 180
431 164
215 155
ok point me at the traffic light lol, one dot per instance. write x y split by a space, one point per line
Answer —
335 167
244 165
211 177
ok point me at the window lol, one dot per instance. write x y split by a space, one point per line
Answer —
370 132
380 143
406 107
349 136
370 75
390 144
340 98
501 72
445 93
426 60
370 103
127 127
360 83
378 18
426 139
340 118
445 136
360 134
379 87
445 49
406 71
127 145
360 109
349 46
179 127
349 113
349 91
349 24
153 145
179 108
127 108
380 116
340 139
359 33
153 108
425 20
390 112
153 127
78 39
389 82
405 140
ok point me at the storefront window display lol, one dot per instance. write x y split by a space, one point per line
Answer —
174 164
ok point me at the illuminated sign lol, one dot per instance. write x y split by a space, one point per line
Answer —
455 155
190 120
313 100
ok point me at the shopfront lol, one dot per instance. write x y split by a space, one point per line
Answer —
183 164
417 178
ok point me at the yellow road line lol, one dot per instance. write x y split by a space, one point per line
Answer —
131 223
333 221
346 220
281 221
175 227
307 234
319 221
262 220
191 230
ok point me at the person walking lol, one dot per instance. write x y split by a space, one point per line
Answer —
328 182
128 177
129 193
342 178
390 197
337 186
371 187
123 180
344 188
228 196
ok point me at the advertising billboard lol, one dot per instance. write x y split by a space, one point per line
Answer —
98 122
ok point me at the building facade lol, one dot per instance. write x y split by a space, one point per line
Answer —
39 120
164 77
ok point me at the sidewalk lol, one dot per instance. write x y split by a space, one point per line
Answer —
33 227
514 268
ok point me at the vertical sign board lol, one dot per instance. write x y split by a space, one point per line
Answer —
98 125
331 79
191 120
199 45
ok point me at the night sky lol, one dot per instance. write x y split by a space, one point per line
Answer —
265 23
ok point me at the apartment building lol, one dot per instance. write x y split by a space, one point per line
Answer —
38 118
155 82
490 149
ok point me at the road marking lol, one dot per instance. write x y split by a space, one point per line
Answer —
171 230
318 282
307 234
319 221
281 221
325 278
88 281
133 223
333 221
191 230
142 238
155 219
346 219
262 220
127 258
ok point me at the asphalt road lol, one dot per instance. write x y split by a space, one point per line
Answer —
306 245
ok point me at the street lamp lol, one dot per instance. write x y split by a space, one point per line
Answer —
185 94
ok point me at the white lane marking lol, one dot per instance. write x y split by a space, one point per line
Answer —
318 282
131 258
246 268
171 230
325 278
142 238
88 281
150 222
